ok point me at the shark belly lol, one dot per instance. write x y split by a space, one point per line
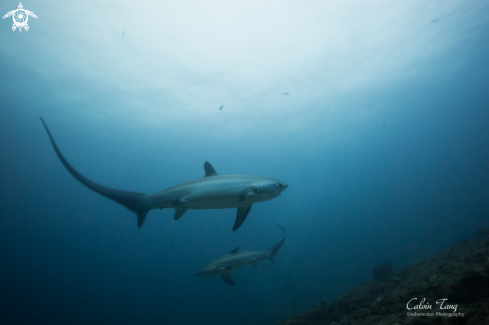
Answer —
214 192
218 192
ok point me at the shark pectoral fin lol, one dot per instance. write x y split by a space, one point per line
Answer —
241 216
234 251
179 212
248 195
141 217
209 170
227 278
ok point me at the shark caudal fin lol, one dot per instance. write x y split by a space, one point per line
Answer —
274 249
133 201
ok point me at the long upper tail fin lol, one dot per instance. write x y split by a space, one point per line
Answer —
274 249
135 202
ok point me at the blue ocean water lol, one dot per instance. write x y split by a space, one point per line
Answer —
374 113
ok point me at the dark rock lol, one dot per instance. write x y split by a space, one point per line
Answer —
481 233
382 271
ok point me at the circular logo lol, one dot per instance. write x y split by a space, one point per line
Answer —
20 17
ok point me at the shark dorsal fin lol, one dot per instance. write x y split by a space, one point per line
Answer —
209 170
234 251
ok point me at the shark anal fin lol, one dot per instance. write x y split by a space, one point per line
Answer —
234 251
179 212
241 216
141 217
209 170
227 278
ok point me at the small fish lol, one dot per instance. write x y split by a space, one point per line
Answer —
226 119
285 94
220 108
123 33
435 20
383 125
171 239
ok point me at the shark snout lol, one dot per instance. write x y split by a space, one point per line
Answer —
282 186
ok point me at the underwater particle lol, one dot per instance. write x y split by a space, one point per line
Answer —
383 125
170 238
295 305
285 94
226 119
220 108
123 33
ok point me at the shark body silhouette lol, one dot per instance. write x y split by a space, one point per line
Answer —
212 191
234 260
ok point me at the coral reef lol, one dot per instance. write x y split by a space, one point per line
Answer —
460 274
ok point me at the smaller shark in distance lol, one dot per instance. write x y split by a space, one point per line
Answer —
234 260
212 191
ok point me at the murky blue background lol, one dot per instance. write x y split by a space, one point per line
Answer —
382 139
